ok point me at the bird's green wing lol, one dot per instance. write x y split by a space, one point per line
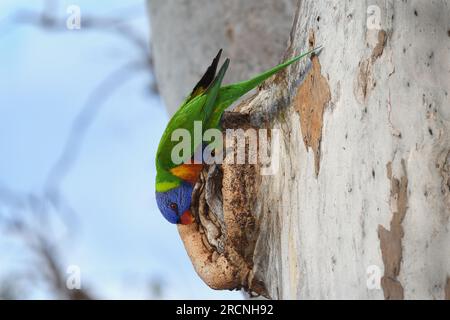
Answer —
230 93
206 80
184 118
208 108
213 92
199 108
187 113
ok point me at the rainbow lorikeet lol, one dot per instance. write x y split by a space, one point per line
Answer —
206 103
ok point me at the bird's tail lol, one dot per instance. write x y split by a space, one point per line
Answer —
230 93
248 85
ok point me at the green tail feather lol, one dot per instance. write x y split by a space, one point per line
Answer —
213 91
231 93
248 85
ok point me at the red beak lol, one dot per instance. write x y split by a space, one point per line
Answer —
186 218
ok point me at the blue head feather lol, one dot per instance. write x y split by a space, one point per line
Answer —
180 196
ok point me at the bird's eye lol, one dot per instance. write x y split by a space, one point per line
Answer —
173 206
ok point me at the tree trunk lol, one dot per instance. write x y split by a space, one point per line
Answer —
359 205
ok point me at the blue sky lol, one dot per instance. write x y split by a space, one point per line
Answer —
118 239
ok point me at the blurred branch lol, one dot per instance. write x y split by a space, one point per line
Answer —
28 216
118 26
83 121
54 273
27 219
47 20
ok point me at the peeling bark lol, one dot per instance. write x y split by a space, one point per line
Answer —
365 82
310 102
391 240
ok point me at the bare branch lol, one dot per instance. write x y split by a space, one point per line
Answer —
83 121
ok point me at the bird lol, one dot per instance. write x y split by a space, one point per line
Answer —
206 103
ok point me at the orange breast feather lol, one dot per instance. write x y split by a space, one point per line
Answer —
187 172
